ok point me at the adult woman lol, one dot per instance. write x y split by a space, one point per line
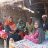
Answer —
29 25
10 28
21 28
9 22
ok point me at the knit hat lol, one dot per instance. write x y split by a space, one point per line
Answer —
44 16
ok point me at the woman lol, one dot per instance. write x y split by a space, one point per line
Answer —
21 28
38 36
29 25
10 28
11 23
3 34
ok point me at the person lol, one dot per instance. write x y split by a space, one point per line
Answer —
10 28
3 34
21 28
38 35
29 25
21 25
11 43
44 22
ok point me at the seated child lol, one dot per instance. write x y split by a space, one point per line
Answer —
38 36
3 34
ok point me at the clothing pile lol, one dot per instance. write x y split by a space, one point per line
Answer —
28 44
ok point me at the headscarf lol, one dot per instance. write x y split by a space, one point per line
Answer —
10 23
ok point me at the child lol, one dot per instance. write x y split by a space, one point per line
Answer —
3 34
11 43
38 36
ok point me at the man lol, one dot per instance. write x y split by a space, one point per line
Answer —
21 25
10 28
44 22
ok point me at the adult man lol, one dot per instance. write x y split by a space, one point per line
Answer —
44 22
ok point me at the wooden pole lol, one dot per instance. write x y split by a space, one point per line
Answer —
45 8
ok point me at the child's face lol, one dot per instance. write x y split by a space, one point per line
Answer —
35 25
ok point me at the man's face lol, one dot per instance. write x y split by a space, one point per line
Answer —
44 18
